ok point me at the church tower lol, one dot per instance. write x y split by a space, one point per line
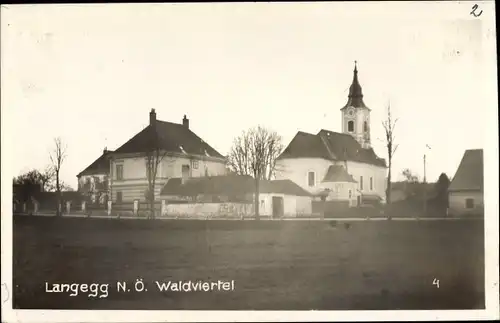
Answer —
355 114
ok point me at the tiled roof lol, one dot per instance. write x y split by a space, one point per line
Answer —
171 137
229 185
305 145
332 146
337 173
469 175
99 166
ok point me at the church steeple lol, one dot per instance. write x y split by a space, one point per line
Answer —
355 114
355 98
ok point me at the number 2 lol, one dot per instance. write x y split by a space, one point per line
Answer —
435 282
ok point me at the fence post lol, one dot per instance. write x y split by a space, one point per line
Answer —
163 207
24 207
59 208
35 205
68 207
136 207
83 206
109 207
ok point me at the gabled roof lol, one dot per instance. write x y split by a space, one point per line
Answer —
305 145
469 175
171 137
229 185
337 173
331 146
99 166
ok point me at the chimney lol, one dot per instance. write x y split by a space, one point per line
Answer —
152 117
185 122
105 151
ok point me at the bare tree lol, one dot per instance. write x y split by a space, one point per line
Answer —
57 157
154 157
46 178
254 153
389 125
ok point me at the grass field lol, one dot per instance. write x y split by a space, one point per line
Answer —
275 265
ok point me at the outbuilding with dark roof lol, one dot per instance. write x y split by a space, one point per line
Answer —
467 186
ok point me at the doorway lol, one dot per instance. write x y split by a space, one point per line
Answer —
278 207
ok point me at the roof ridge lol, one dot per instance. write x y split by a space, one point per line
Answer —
323 139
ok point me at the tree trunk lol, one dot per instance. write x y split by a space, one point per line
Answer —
58 189
388 189
257 214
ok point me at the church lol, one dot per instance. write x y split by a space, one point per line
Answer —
338 166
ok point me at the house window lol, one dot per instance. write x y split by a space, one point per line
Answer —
350 126
119 197
119 172
361 183
371 183
469 203
194 164
350 194
311 179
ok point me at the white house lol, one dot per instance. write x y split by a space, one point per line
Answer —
93 181
185 155
465 193
338 166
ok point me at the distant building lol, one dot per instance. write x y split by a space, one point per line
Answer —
465 193
185 155
338 166
93 181
277 198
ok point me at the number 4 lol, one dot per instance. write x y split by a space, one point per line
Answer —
435 282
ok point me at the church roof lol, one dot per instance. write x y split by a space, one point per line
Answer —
171 137
330 145
99 166
337 173
355 98
469 175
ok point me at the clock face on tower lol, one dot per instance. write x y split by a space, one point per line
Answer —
350 112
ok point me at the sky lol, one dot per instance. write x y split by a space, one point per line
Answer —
90 74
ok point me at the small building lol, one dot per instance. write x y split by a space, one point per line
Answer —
465 193
233 195
93 181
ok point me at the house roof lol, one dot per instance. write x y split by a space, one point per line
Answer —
330 145
337 173
229 185
99 166
171 137
469 175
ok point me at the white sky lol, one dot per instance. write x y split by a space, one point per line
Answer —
91 73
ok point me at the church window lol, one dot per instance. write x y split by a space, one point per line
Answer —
311 178
350 194
371 183
350 126
361 183
365 126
